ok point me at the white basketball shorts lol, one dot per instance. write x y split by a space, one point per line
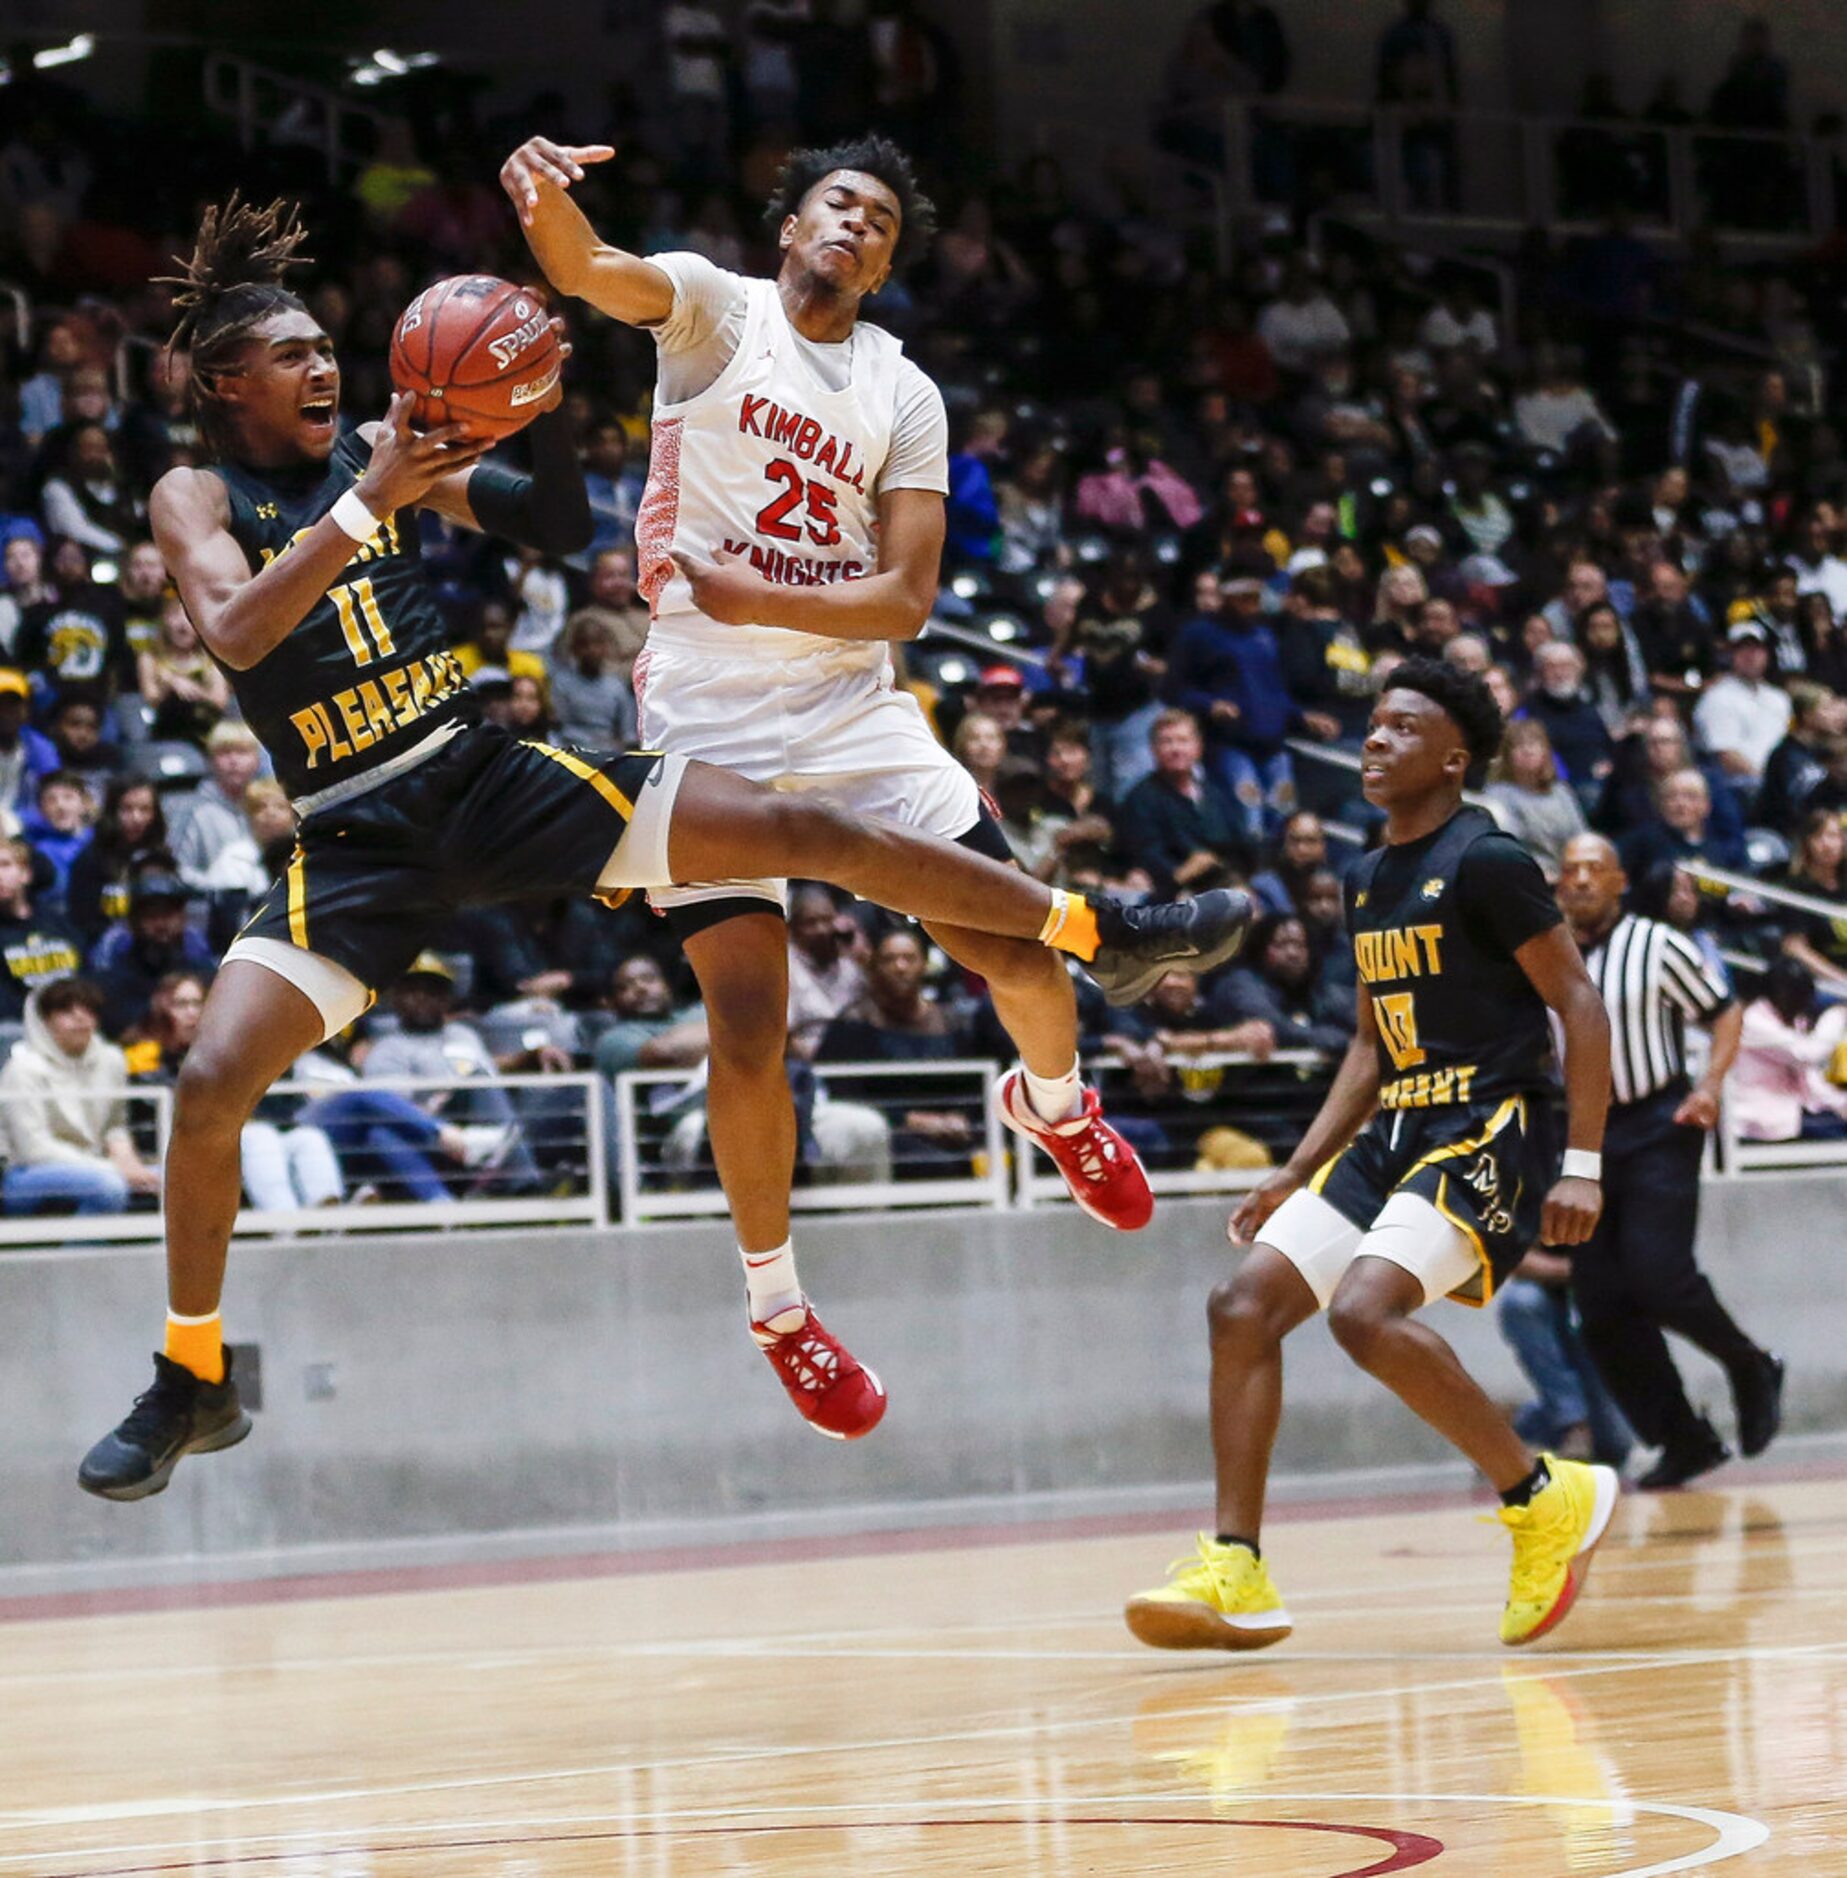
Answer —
810 722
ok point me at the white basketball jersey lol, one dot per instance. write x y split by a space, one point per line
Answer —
768 463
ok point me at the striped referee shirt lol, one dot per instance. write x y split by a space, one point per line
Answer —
1651 980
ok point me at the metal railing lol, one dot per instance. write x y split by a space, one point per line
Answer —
859 1148
1183 1132
271 105
535 1153
1428 169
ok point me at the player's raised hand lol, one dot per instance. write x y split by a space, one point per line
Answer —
1248 1216
407 464
1571 1212
538 160
727 589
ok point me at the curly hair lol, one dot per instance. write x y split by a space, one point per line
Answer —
1463 696
872 155
226 288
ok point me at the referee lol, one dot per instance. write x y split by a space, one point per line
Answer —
1636 1276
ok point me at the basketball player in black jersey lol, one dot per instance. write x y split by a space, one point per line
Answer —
296 553
1430 1169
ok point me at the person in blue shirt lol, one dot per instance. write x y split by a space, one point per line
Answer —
27 756
58 826
1227 669
974 508
614 486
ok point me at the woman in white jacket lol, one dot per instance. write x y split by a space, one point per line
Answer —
63 1111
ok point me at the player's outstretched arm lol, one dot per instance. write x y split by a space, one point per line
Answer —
1350 1100
242 617
1555 969
891 604
575 258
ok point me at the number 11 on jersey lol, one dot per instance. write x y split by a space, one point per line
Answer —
359 615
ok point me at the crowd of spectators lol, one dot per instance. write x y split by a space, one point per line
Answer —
1196 515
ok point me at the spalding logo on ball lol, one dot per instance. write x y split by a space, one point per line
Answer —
476 351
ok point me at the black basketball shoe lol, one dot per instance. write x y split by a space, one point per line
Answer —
179 1415
1142 944
1757 1393
1697 1451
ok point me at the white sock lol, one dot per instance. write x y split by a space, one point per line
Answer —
1054 1098
769 1278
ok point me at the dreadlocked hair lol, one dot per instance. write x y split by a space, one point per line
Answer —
872 155
229 285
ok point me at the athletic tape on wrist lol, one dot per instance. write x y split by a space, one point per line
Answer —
352 516
1582 1164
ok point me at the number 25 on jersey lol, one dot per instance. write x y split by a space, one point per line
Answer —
823 524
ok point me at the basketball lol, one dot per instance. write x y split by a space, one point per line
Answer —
477 351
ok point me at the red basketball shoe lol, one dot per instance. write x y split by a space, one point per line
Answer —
1101 1169
831 1389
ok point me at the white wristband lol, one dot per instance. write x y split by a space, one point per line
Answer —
1582 1164
353 517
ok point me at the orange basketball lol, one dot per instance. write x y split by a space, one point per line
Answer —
475 351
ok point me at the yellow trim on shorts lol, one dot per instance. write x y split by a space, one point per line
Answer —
1455 1150
586 772
1512 1107
1321 1173
1467 1229
298 900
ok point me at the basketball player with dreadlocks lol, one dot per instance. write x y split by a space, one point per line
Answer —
790 533
1429 1171
296 553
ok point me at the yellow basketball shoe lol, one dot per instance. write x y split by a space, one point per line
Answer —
1554 1534
1222 1600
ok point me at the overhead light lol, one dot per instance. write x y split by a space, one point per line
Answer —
384 63
955 672
965 586
1003 628
67 54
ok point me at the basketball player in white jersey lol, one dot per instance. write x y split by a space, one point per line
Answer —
791 530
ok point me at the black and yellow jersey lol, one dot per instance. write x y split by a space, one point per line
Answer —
1435 926
368 673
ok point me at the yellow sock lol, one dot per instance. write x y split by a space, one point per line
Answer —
197 1344
1071 925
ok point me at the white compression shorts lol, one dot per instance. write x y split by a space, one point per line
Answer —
1320 1241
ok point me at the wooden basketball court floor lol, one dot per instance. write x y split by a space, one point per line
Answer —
959 1703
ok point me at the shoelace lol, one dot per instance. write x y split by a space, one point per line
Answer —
148 1413
1201 1570
1090 1141
1096 1153
1167 920
809 1361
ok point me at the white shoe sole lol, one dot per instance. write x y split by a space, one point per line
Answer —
1609 1490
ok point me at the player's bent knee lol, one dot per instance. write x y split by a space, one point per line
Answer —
211 1094
1240 1311
1361 1326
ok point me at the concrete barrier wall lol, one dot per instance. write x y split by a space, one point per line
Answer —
435 1385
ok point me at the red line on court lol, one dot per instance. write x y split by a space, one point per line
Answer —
550 1568
1408 1849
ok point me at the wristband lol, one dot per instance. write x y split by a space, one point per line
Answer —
352 517
1582 1164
